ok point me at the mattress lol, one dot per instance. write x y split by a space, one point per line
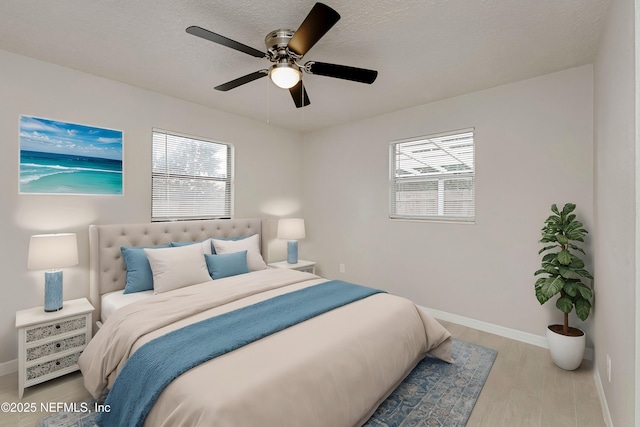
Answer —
115 300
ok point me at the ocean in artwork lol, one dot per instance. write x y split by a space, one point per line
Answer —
66 158
67 174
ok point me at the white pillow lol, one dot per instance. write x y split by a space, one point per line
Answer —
249 244
177 267
206 245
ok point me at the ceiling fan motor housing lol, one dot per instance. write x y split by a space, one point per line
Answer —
277 42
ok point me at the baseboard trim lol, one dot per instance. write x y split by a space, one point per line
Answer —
514 334
603 399
9 367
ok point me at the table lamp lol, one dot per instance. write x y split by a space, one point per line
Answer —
52 252
291 229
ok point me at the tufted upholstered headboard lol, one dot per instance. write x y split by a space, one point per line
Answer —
106 268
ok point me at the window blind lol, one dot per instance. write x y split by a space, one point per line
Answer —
433 177
191 178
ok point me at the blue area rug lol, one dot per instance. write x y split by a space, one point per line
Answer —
435 393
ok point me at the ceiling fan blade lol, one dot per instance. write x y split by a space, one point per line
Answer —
242 80
299 95
361 75
315 25
217 38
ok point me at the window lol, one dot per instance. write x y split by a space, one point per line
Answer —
432 177
191 178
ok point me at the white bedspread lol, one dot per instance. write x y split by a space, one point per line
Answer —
112 301
332 370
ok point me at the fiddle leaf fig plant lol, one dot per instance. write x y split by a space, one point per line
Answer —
562 270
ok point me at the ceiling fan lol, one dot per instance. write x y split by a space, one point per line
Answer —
285 48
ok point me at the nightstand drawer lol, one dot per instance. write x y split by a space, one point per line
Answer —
54 347
52 329
46 368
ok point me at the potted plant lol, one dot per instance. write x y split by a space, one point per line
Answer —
563 272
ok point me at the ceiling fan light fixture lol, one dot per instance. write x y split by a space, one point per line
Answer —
284 75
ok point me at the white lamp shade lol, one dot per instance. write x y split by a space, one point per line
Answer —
291 228
49 251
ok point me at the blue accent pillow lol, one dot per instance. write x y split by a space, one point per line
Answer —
225 265
139 275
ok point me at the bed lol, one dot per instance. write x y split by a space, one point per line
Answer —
331 369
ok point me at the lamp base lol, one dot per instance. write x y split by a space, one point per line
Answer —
292 251
53 290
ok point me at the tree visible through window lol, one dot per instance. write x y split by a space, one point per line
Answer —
191 178
432 177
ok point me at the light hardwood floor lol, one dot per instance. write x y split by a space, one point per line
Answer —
524 389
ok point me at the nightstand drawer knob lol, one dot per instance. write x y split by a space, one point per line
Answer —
57 326
58 345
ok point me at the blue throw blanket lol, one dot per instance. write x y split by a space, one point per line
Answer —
154 365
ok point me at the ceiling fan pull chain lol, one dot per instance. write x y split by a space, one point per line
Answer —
302 110
268 101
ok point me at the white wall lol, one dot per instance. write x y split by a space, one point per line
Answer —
267 169
533 148
615 210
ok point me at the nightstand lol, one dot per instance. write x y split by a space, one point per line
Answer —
301 265
50 343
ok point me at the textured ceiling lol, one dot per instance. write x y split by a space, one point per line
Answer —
424 50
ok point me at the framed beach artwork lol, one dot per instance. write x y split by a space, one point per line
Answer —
67 158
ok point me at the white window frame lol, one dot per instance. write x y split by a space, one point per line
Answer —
175 214
438 177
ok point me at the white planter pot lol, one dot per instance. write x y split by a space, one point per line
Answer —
567 352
